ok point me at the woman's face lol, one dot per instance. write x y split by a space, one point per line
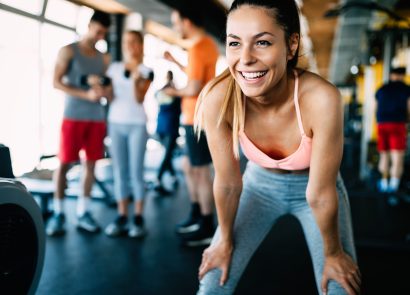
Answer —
256 50
131 46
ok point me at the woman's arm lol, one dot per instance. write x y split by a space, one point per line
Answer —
227 183
168 56
141 85
140 89
326 116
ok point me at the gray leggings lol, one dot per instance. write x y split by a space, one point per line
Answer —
128 145
265 197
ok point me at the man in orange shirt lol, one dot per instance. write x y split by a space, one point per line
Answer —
198 229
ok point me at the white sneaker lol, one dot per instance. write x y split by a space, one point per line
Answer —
136 231
383 185
393 185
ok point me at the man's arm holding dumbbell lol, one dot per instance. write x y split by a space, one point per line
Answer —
63 61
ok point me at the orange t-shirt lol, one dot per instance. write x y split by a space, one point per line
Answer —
202 59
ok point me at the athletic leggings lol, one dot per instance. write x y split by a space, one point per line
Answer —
266 196
128 145
169 141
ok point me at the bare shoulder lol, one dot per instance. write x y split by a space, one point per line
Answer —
66 53
317 94
214 93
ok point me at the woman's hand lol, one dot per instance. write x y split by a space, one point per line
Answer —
219 256
342 269
169 57
170 91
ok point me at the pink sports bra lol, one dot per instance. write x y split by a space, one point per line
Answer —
298 160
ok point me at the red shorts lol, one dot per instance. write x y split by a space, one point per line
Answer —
81 135
391 136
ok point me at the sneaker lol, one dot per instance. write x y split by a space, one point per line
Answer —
383 185
201 237
117 228
55 225
136 231
86 222
189 225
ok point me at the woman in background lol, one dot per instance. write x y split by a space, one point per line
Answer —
128 133
167 130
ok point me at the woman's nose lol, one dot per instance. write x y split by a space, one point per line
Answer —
247 56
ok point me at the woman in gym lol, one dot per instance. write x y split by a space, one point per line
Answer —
288 122
128 132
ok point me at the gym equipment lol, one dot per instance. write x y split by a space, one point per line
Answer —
5 160
22 239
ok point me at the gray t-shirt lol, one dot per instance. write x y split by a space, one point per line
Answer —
77 108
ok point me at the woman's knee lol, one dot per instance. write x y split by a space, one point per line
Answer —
209 285
334 288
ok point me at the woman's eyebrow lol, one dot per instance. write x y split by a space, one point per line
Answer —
233 36
254 37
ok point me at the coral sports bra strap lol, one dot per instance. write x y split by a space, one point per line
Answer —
296 99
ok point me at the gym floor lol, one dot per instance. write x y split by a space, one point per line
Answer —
80 263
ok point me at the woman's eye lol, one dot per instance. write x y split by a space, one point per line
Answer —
233 44
263 43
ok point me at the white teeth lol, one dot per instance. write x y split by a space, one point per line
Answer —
253 75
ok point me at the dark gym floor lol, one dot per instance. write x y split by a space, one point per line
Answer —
80 263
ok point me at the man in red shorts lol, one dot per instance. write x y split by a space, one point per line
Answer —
79 73
392 114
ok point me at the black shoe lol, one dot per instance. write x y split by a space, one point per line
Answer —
118 227
191 224
162 190
201 237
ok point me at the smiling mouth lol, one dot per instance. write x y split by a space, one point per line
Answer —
252 76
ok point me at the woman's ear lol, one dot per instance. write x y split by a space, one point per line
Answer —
293 45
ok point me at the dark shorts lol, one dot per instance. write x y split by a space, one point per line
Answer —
81 135
391 136
197 151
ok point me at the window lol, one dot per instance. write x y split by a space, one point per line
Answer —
31 6
30 108
19 80
63 12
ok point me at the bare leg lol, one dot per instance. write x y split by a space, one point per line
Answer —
396 169
397 159
190 178
204 189
138 207
384 164
61 180
88 177
123 207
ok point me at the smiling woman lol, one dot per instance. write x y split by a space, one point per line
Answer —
292 136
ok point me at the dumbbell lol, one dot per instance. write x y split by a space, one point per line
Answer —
89 80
